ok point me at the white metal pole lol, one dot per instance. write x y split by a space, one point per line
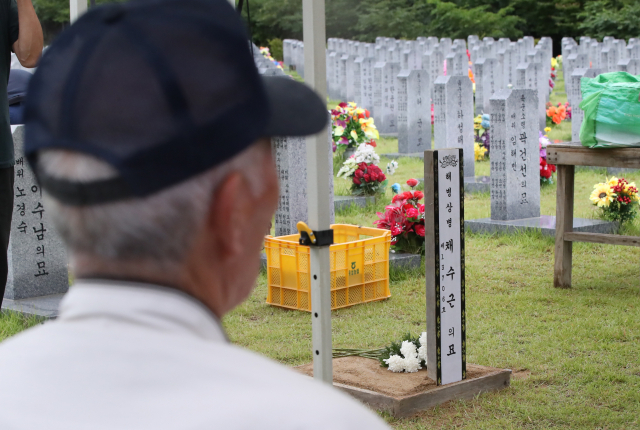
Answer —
318 191
77 8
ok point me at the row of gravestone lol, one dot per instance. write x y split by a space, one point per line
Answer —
610 55
373 74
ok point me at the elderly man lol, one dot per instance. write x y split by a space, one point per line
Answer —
147 126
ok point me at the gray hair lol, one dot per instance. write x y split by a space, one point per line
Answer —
160 228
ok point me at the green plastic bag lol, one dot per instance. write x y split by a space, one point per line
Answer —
611 105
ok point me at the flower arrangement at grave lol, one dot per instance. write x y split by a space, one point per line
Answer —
267 54
481 126
352 126
546 170
367 179
408 355
556 114
617 199
404 217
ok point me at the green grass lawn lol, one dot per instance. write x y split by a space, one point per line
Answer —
574 353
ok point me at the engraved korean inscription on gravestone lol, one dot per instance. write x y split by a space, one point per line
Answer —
418 112
445 265
401 99
453 117
515 165
36 255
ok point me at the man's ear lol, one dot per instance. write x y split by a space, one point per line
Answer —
229 212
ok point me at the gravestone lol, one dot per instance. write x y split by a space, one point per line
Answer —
509 67
379 110
343 77
629 65
487 83
290 154
414 112
528 77
433 62
356 81
389 123
445 265
574 61
37 261
366 82
515 155
445 45
577 114
453 117
458 64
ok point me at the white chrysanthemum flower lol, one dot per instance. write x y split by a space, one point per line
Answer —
422 351
348 167
408 349
366 154
412 364
392 166
396 363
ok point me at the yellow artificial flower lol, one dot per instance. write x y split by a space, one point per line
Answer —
354 135
352 104
370 130
613 181
602 196
479 151
338 131
547 129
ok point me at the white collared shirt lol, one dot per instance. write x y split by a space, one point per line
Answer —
133 356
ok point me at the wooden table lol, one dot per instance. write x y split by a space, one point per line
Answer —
566 156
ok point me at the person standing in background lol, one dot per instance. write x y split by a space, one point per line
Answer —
20 32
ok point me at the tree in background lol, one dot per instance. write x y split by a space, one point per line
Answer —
619 18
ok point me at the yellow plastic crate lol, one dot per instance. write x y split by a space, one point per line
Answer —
359 268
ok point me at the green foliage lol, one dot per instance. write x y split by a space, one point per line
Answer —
617 18
275 47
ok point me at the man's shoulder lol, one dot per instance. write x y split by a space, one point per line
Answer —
215 381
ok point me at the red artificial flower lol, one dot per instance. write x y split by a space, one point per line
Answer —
382 177
367 177
343 105
356 181
359 173
419 228
418 195
372 143
396 198
421 208
374 176
363 166
412 182
407 195
396 231
413 213
367 113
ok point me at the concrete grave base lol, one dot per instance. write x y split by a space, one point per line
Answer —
619 171
388 134
544 223
477 184
405 394
44 306
343 202
401 155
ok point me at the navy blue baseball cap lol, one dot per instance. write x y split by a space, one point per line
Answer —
162 90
